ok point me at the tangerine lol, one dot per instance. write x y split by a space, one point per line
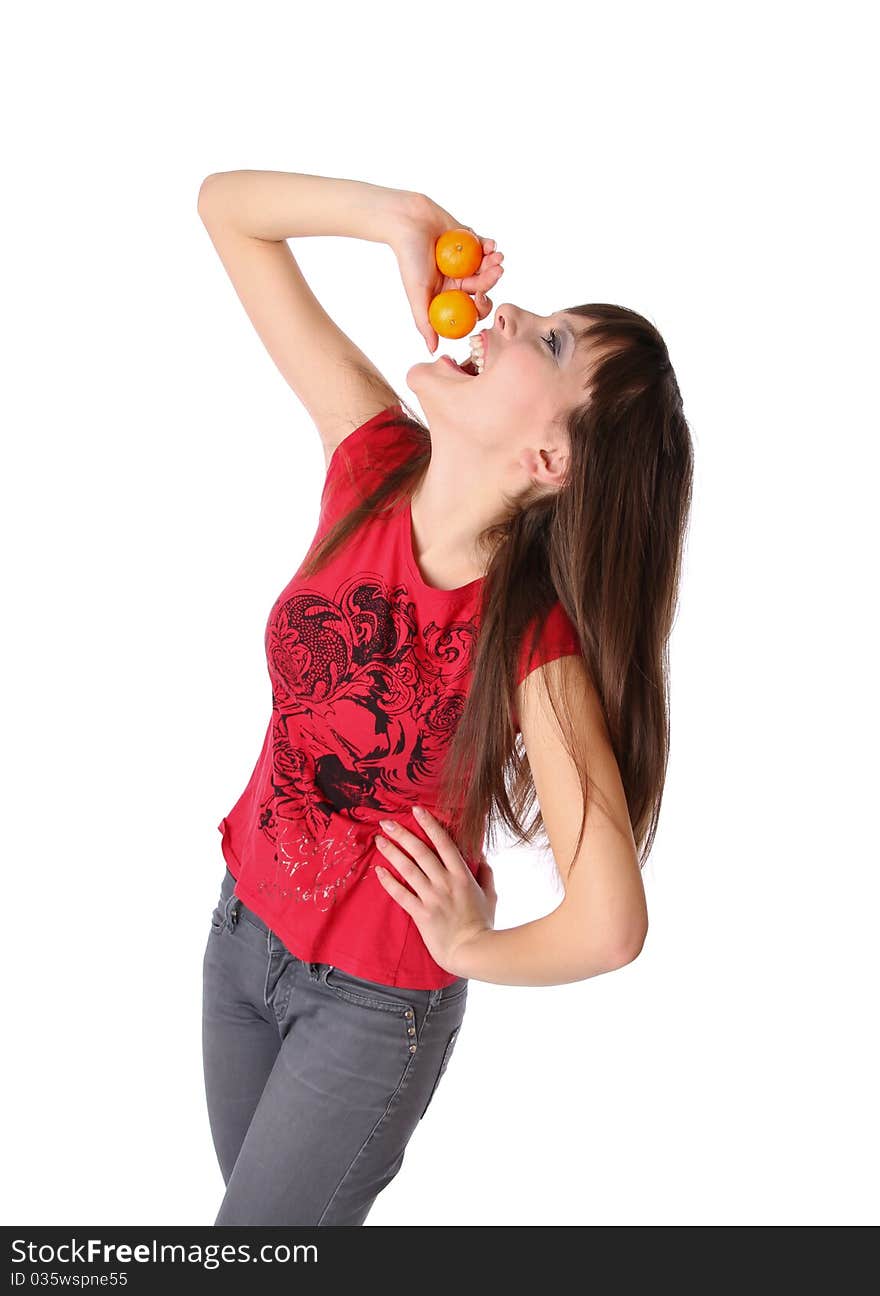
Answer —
458 253
452 313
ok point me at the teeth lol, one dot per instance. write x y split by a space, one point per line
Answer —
477 354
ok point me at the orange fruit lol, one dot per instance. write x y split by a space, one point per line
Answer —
452 313
458 253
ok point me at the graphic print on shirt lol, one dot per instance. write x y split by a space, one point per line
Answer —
363 710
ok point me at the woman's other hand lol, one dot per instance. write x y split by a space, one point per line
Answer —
446 901
413 245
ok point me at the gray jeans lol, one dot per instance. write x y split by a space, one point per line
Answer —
315 1079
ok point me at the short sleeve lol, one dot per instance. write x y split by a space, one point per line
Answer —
557 638
361 459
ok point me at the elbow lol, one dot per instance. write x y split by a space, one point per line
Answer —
627 947
206 189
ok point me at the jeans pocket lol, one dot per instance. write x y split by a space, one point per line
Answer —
444 1063
358 990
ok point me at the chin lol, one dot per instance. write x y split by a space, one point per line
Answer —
413 375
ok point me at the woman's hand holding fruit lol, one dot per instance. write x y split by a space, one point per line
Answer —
447 271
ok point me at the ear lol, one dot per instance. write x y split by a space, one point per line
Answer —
555 461
546 466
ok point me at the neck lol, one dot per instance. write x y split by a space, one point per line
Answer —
450 507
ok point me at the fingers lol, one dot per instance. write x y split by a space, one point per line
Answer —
490 271
428 333
397 890
448 852
401 837
491 265
487 276
413 872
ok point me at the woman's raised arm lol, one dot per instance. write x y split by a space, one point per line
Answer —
249 215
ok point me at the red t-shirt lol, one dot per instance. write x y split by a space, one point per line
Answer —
369 668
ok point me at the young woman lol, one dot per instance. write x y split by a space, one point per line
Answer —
481 621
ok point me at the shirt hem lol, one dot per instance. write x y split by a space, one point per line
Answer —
354 964
347 962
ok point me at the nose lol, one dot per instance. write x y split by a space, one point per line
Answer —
504 317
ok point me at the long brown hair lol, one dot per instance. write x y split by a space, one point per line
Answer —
608 545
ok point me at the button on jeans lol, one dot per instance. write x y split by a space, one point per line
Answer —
315 1079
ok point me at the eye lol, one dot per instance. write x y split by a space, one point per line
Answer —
551 339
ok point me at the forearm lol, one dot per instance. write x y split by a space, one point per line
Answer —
552 950
277 205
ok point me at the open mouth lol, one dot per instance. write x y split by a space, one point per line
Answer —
468 367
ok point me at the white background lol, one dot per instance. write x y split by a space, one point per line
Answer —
707 166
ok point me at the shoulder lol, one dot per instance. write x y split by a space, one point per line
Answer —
545 639
373 439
